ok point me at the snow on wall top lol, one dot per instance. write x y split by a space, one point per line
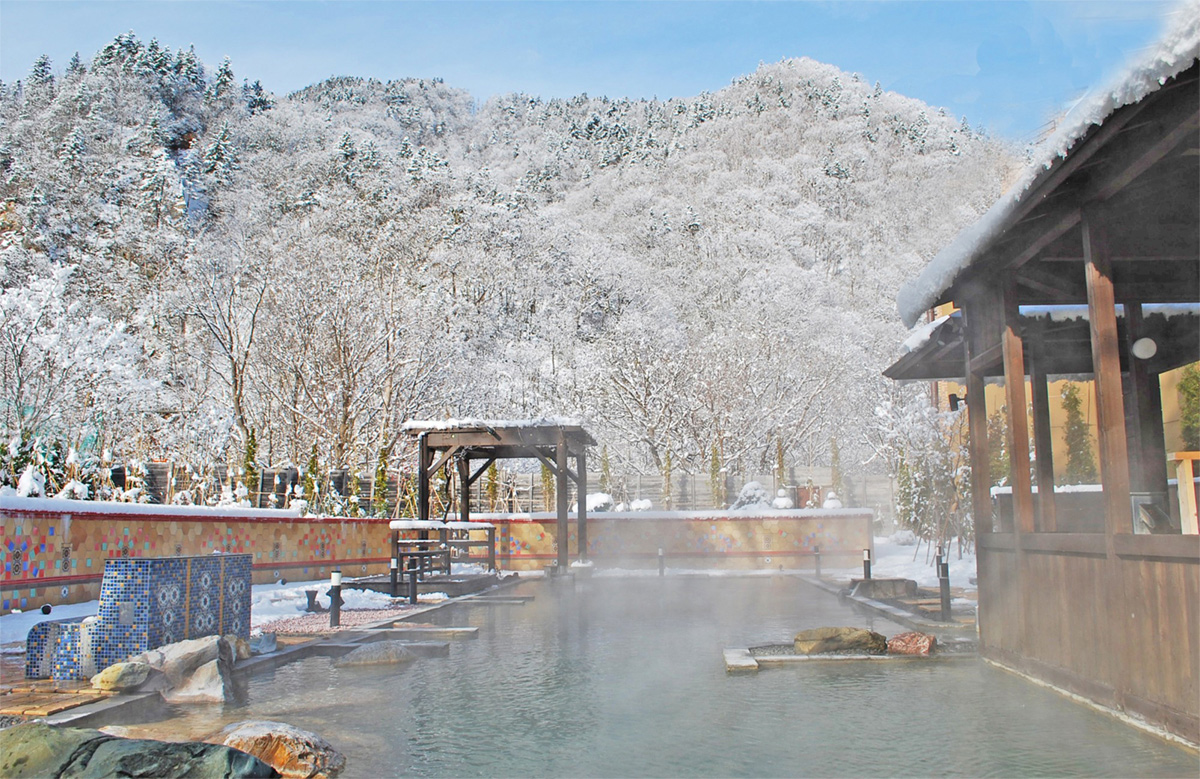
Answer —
64 506
1148 71
418 425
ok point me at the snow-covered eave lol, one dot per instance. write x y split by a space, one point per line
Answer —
1178 49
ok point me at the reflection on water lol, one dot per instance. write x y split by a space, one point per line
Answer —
624 677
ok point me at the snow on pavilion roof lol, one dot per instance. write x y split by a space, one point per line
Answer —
469 423
1175 52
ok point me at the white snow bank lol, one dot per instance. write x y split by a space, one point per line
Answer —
63 506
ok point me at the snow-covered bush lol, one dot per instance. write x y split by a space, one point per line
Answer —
752 496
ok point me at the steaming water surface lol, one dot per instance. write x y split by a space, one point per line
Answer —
624 677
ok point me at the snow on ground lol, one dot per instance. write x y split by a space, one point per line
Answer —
273 603
894 558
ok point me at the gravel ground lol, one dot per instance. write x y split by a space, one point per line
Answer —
319 623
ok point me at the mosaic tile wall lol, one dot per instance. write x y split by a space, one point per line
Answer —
691 539
59 556
145 604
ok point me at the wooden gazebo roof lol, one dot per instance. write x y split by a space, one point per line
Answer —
553 441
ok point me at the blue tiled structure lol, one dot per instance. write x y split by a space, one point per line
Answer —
146 603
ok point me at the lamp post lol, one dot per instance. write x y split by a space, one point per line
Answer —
335 597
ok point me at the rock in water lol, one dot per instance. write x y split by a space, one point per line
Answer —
378 653
823 641
36 749
122 676
290 751
912 643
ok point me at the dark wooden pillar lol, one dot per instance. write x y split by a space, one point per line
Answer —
1018 421
1043 440
562 488
981 480
464 489
1106 362
422 478
1144 426
581 485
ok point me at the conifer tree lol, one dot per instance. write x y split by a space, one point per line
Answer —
548 488
220 157
666 477
1081 462
311 480
1189 407
257 99
493 485
716 477
380 488
250 467
835 468
998 462
222 84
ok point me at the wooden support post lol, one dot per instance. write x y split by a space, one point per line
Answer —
422 478
581 487
981 499
1106 363
1147 440
1043 442
464 489
562 488
1018 422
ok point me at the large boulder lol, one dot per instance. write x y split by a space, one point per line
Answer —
199 669
290 751
912 643
181 659
841 641
379 653
36 749
122 677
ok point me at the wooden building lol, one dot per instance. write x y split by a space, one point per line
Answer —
1108 608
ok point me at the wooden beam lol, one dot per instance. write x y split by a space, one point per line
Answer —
1052 234
475 476
1175 135
440 464
986 359
1106 361
1043 441
1018 422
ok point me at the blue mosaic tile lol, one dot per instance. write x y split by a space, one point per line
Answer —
146 603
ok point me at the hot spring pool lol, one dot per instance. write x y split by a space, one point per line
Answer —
624 677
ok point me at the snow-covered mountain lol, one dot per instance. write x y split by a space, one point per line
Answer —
708 281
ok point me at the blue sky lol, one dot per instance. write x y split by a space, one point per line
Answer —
1009 66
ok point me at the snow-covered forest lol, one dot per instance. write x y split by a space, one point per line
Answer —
189 261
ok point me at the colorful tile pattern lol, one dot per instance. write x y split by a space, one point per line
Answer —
144 604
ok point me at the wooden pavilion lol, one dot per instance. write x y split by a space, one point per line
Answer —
472 445
1109 223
